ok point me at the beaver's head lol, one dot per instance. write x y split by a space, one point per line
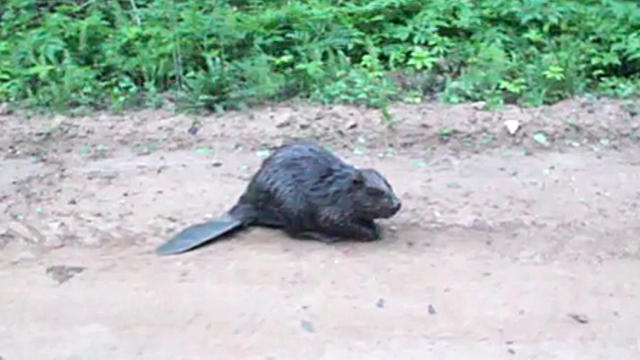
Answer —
373 196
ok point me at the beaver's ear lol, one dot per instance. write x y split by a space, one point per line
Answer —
357 178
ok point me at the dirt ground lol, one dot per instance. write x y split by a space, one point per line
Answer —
508 246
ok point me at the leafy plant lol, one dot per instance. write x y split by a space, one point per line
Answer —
236 53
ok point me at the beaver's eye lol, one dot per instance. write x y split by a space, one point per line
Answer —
374 192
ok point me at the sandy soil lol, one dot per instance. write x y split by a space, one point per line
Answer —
507 247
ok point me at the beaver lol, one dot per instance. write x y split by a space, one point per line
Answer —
306 191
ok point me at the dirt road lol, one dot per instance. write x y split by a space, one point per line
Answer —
522 246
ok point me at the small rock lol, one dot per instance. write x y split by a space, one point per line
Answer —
359 150
432 310
5 109
25 232
512 126
380 303
307 326
204 151
540 138
283 123
263 153
511 351
479 105
24 256
480 224
193 130
62 273
351 125
105 175
580 318
453 185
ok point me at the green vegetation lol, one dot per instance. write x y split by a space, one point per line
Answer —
222 54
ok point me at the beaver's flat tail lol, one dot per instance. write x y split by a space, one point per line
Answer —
198 234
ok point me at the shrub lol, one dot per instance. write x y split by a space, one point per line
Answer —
220 54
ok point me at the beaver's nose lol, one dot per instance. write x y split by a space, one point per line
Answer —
396 206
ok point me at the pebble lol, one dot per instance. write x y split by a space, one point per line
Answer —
283 123
512 126
22 257
5 109
453 185
580 318
351 125
307 326
62 273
